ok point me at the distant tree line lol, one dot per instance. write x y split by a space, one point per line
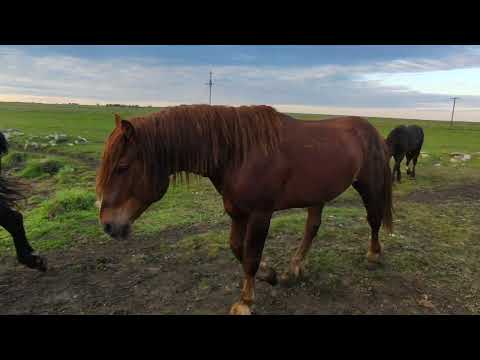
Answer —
121 105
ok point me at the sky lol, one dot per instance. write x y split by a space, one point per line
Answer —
393 81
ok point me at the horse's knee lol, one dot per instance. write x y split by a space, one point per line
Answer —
237 250
251 265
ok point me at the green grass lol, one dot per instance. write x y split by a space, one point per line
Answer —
91 122
440 240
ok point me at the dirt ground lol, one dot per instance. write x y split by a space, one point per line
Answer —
468 192
139 277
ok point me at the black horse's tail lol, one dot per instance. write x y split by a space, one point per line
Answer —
3 145
10 190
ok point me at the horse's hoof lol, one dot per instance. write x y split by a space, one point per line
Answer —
289 279
41 264
34 262
374 258
240 308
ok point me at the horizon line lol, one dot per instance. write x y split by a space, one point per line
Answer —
298 111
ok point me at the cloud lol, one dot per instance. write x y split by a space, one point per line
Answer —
150 81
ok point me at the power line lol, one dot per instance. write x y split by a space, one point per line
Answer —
210 84
453 109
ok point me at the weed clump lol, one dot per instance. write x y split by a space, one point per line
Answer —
40 168
14 160
68 202
65 175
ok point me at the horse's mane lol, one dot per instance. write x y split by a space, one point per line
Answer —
195 138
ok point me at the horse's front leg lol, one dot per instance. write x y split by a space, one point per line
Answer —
312 225
12 221
253 243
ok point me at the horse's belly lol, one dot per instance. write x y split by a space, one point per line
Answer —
317 180
315 190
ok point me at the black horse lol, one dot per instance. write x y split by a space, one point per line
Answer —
405 141
12 220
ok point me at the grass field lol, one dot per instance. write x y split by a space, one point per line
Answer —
179 259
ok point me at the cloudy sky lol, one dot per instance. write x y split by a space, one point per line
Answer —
397 81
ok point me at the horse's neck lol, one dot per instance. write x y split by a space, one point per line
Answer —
214 171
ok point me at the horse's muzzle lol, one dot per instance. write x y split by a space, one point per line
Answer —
116 231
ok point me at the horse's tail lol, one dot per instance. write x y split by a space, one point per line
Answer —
3 147
10 189
387 218
10 192
3 144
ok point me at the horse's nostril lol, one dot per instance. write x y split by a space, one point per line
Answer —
108 228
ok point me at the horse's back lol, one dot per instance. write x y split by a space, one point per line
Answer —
336 121
398 134
315 162
322 158
405 139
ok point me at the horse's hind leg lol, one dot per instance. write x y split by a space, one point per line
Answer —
12 221
396 169
312 225
374 218
407 165
415 158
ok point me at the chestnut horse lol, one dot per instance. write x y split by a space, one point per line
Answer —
259 160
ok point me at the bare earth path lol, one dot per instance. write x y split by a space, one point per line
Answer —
150 276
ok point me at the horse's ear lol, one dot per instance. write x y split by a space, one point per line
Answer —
118 119
127 128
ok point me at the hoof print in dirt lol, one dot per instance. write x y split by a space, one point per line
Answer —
375 265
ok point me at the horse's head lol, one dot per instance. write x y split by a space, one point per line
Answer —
128 181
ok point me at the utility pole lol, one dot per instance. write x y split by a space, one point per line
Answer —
453 110
210 83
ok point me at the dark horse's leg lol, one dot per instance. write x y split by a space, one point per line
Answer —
251 256
374 207
312 225
396 168
415 158
407 165
12 221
